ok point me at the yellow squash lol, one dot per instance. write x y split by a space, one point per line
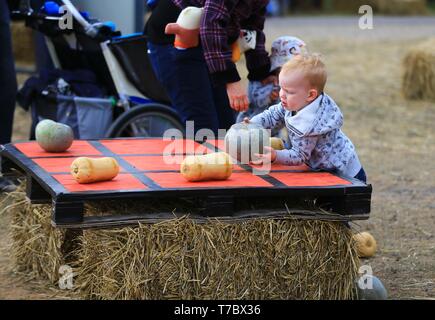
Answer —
87 170
365 244
277 143
214 166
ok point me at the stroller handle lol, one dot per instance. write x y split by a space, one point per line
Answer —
89 29
43 22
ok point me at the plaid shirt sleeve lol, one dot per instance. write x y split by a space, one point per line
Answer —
257 60
214 39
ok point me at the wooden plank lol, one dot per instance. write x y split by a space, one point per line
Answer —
68 212
35 193
348 197
8 167
105 222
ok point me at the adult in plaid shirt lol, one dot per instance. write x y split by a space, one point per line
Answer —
203 82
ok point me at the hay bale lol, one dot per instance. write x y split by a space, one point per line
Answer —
419 72
181 259
22 43
401 7
388 7
38 249
349 6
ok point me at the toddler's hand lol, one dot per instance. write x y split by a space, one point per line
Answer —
268 157
246 120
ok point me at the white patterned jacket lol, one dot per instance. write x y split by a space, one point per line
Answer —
315 135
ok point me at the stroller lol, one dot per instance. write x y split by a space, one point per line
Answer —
136 104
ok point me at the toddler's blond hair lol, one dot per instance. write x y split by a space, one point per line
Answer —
311 66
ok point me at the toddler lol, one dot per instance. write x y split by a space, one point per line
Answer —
313 121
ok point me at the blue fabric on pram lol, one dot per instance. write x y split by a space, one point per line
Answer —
89 117
70 97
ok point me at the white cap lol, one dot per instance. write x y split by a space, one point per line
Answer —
190 18
247 40
284 49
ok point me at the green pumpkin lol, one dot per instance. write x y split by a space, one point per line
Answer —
244 140
54 137
376 292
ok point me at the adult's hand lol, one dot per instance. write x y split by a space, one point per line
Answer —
237 95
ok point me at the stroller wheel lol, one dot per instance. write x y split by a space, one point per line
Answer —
150 120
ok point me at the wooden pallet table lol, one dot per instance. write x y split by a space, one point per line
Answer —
146 175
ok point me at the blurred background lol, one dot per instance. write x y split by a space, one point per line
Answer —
130 16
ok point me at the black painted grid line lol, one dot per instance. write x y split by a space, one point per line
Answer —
126 165
248 168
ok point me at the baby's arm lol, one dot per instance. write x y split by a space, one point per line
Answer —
271 118
300 152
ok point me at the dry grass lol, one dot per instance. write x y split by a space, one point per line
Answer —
22 43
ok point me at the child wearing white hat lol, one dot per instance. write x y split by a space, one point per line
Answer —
263 96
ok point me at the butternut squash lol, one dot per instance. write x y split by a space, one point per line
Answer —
365 244
214 166
277 143
87 170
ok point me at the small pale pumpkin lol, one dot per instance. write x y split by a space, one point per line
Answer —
244 140
87 170
54 137
214 166
365 244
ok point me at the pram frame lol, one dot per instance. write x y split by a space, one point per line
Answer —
120 85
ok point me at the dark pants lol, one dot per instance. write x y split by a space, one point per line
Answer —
361 176
8 82
185 76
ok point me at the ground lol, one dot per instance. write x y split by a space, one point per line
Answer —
394 139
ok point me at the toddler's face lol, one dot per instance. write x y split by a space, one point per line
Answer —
296 92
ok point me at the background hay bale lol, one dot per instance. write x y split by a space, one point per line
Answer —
349 6
401 7
181 259
419 72
22 43
388 7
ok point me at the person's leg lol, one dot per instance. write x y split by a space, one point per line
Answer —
8 87
8 84
361 176
226 115
185 76
42 56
